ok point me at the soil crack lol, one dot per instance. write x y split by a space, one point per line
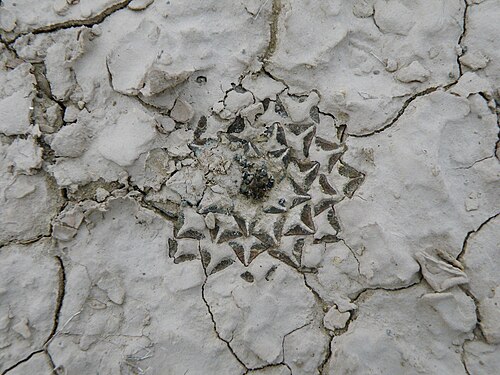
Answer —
403 109
273 31
213 319
462 35
95 20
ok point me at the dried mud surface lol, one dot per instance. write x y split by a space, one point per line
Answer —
265 187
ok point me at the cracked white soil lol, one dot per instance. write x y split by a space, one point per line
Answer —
266 187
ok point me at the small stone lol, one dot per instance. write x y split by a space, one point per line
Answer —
96 30
391 65
60 7
362 8
474 60
166 123
414 72
210 220
470 83
71 113
182 111
101 194
334 319
85 12
139 4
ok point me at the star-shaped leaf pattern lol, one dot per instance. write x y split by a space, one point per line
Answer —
272 183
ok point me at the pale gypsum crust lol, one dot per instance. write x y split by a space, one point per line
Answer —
257 187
